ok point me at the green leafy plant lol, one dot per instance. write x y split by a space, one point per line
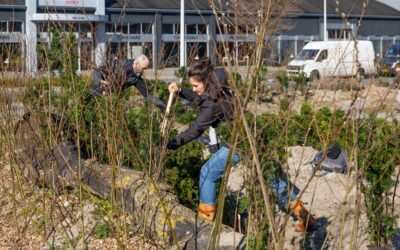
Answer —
283 80
380 141
103 230
181 73
301 82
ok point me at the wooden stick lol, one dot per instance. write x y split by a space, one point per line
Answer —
167 111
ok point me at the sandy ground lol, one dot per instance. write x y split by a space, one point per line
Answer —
326 198
26 222
334 95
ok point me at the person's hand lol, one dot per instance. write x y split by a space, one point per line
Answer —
173 88
172 144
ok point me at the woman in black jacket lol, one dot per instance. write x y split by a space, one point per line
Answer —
215 101
213 97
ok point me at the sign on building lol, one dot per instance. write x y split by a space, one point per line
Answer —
69 3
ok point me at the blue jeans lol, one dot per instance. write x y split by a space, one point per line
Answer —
211 172
280 187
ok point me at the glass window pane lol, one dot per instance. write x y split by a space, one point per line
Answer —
177 28
170 52
3 26
42 27
147 28
15 26
71 27
202 29
231 29
195 50
110 28
241 29
220 28
168 28
134 28
191 29
86 27
122 28
251 29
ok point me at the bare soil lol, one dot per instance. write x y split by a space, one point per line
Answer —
33 218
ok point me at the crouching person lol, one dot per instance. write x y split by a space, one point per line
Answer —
216 106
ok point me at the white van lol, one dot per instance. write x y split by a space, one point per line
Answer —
334 58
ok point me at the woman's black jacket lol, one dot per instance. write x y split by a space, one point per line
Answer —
216 106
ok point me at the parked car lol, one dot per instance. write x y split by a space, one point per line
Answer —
390 61
334 58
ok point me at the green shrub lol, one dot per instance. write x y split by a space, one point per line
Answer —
283 80
379 143
301 81
103 230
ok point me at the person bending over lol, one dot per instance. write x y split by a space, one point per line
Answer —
117 76
215 102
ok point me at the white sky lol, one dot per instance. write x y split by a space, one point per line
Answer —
393 3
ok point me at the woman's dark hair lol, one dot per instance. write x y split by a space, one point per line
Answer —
201 71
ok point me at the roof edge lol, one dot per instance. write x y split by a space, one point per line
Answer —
295 14
159 10
12 6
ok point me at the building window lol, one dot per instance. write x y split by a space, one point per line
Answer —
245 52
134 28
226 53
195 50
119 50
87 56
85 27
122 28
110 27
42 27
168 28
251 29
11 56
147 28
231 30
170 53
191 29
241 29
201 29
15 26
338 30
221 28
3 26
339 33
177 28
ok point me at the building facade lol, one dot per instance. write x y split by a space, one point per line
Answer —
128 28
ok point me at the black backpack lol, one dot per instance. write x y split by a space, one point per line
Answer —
334 161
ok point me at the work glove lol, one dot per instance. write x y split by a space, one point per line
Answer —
172 144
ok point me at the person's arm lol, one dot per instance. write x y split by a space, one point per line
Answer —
188 94
205 119
185 93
